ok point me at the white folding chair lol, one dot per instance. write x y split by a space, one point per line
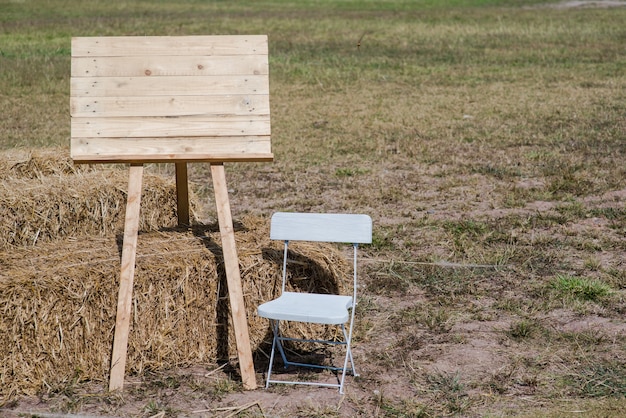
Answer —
331 309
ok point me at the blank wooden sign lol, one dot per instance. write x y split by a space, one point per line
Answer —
170 99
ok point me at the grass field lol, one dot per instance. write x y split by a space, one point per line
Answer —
487 140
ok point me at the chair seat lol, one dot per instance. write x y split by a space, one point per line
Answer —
308 307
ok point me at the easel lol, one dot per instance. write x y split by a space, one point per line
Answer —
138 100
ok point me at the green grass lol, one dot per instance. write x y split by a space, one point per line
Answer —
523 329
451 392
476 133
580 288
599 380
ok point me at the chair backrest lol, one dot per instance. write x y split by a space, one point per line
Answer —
327 227
170 98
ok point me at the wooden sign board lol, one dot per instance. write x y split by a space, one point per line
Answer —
190 98
172 99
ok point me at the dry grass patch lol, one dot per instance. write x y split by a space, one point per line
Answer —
45 197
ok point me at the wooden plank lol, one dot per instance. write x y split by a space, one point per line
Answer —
125 295
117 46
182 194
165 147
157 66
141 89
233 278
172 158
231 104
175 126
168 86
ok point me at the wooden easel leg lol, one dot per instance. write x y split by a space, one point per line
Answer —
233 278
182 194
124 298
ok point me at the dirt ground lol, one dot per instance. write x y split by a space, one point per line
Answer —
392 354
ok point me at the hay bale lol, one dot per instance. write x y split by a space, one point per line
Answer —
43 197
38 163
60 250
59 303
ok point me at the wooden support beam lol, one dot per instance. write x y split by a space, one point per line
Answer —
182 194
125 295
233 278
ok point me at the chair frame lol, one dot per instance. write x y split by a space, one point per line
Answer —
316 232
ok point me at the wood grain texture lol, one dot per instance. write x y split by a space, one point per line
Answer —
125 295
125 46
155 66
233 278
182 194
174 85
170 105
171 127
163 99
215 149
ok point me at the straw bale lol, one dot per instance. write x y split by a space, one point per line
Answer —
58 302
60 243
43 197
40 162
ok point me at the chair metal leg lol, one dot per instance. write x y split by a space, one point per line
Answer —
349 352
277 343
274 342
345 363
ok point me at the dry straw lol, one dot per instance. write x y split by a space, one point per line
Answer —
43 197
58 292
